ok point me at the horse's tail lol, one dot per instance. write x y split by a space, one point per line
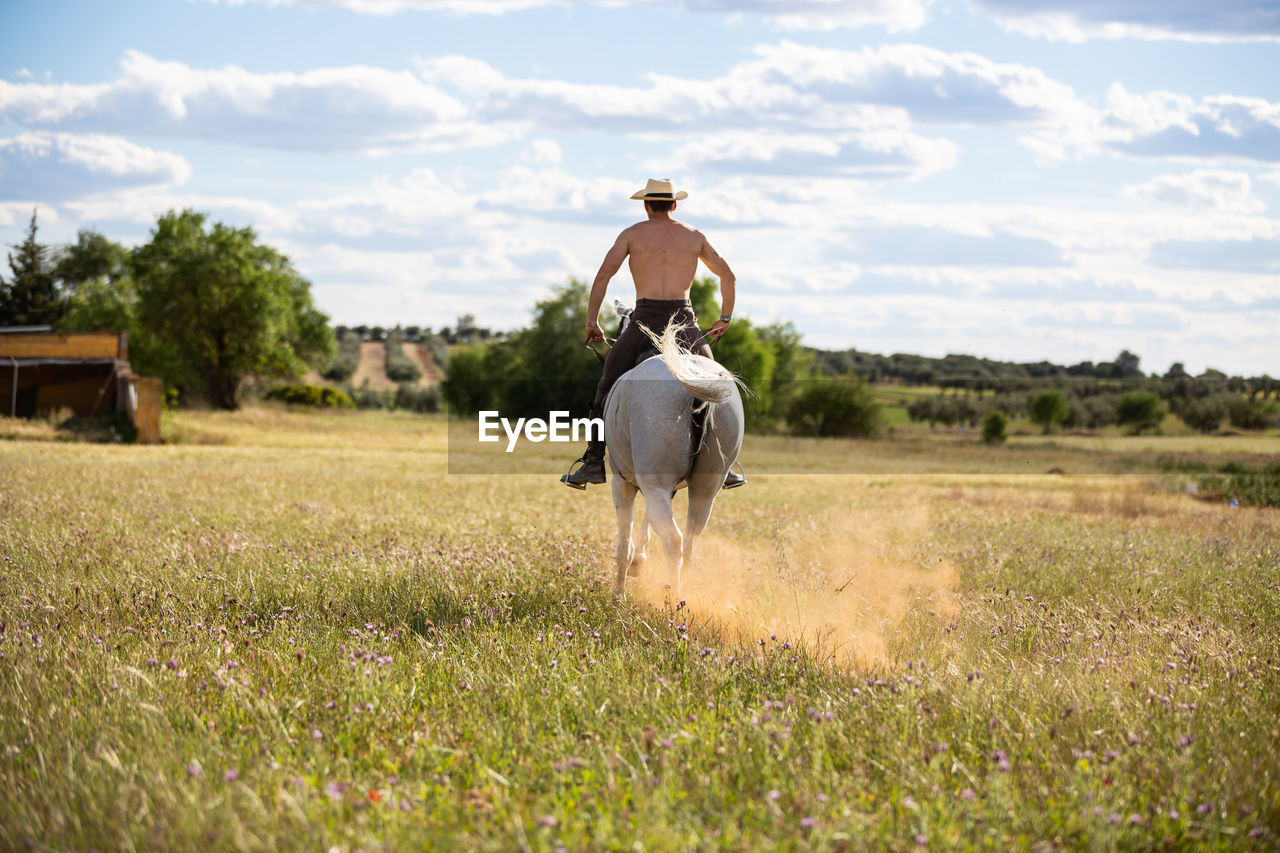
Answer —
700 376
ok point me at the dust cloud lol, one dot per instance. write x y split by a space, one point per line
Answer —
839 584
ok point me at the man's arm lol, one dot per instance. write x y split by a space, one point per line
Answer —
608 269
728 287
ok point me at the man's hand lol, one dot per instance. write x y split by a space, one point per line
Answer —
594 334
718 328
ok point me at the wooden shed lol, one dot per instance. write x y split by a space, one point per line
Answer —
87 372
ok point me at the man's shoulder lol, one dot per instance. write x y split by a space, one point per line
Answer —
631 230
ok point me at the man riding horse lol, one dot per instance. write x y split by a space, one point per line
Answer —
663 256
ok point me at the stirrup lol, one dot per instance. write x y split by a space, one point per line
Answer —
581 463
740 481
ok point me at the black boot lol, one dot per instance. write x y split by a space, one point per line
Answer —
733 479
590 470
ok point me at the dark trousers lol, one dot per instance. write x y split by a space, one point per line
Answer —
655 315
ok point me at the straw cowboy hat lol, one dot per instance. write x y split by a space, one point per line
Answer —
660 189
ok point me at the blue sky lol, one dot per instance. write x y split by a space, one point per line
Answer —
1018 179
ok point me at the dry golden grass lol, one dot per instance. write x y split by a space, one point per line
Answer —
299 631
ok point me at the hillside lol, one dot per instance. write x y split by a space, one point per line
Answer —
373 366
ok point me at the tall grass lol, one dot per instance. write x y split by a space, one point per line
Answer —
307 635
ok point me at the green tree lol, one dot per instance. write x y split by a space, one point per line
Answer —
31 296
1248 414
1205 413
792 365
1139 411
222 306
835 407
1049 408
536 370
100 304
92 257
740 349
995 427
1126 366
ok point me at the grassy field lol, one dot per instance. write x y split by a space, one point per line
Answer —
297 631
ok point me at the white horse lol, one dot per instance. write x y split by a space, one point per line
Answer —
648 429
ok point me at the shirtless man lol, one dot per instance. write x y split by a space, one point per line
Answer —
663 256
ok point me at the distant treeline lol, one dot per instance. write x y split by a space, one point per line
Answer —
967 373
465 331
1091 407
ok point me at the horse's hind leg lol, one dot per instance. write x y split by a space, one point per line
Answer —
624 501
702 495
657 511
640 545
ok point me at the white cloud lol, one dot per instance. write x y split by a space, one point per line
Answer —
544 151
1167 125
53 167
885 152
554 192
1186 20
797 86
329 109
16 214
791 14
1220 127
1205 189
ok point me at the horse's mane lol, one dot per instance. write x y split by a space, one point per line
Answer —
702 377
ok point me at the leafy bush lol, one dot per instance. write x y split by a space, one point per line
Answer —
365 397
925 409
439 352
944 409
420 400
995 427
835 407
346 360
1092 412
1139 411
1205 414
468 388
400 368
1248 414
1049 409
320 396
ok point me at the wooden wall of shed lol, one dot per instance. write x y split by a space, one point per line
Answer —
85 397
64 345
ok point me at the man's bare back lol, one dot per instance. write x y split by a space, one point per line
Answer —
663 256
